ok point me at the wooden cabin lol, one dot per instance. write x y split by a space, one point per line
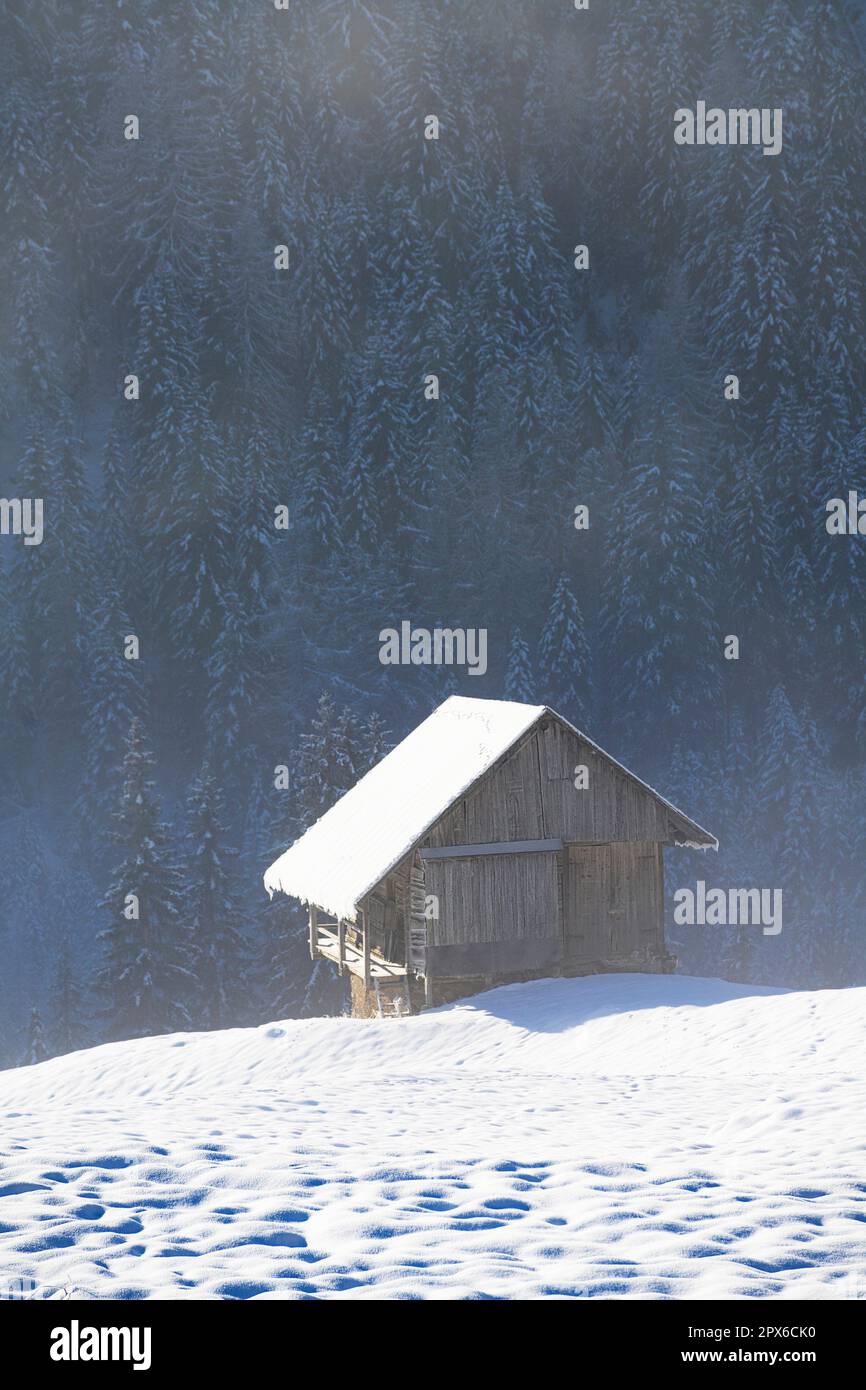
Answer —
495 843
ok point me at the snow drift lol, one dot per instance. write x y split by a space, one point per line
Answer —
645 1136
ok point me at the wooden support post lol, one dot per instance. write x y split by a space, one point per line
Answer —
341 944
314 930
365 927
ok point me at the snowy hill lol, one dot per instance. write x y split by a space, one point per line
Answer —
612 1136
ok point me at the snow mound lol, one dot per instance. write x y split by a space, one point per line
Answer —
621 1135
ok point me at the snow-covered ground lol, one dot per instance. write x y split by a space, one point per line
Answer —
614 1136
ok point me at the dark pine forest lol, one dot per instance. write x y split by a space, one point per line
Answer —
304 388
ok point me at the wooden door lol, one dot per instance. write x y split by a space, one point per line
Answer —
585 894
612 901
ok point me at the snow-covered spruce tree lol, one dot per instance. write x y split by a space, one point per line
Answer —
326 763
501 316
834 582
115 696
164 345
266 99
661 634
178 194
624 92
17 706
210 910
318 465
563 656
25 164
35 1049
233 672
65 1012
833 172
593 399
32 902
119 557
843 914
374 741
117 45
34 292
66 597
725 796
261 487
381 456
407 290
491 540
411 53
147 981
324 294
193 549
548 282
792 765
753 580
519 682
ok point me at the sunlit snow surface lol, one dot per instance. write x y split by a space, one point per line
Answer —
618 1136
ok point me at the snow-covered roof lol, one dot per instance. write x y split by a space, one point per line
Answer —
375 824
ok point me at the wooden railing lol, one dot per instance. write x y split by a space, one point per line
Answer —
349 947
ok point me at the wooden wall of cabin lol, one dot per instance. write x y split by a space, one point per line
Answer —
531 795
600 899
497 915
508 913
494 897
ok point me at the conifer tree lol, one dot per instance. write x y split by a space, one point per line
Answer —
790 775
232 685
564 659
374 741
324 766
66 1003
116 695
519 684
119 555
318 471
35 1049
210 911
192 554
147 980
